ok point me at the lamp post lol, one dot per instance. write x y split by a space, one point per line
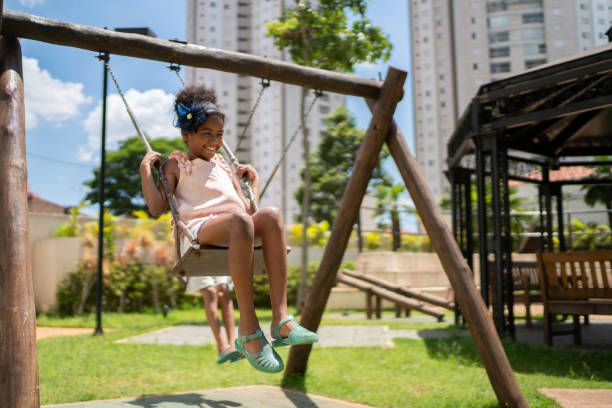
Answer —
104 57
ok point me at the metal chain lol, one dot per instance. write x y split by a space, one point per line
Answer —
286 149
264 84
176 68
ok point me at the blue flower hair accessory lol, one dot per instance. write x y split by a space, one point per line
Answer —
192 115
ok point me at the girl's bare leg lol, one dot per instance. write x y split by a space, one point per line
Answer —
236 230
268 224
227 311
209 294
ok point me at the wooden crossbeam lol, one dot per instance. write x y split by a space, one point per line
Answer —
140 46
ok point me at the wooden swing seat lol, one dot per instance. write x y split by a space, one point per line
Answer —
209 260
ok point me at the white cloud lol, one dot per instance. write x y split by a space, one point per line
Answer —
49 98
153 111
31 3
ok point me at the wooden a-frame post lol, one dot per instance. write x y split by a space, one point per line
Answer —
18 356
481 325
366 160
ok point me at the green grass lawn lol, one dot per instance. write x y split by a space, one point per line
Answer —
416 373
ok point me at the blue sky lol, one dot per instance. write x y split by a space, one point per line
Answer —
64 87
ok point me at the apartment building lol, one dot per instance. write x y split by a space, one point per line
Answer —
239 25
459 45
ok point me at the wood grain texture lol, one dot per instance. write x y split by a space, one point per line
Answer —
140 46
389 295
403 290
366 160
481 325
18 356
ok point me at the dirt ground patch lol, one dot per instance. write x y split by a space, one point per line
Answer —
575 398
44 332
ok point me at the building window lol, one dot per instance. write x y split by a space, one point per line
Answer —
476 51
533 34
500 21
499 36
534 49
475 67
600 7
500 67
556 12
499 52
584 20
496 6
534 63
559 43
533 18
473 20
586 35
583 6
474 36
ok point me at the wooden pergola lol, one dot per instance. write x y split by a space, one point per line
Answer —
552 116
18 355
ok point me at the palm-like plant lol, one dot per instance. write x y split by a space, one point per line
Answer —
598 193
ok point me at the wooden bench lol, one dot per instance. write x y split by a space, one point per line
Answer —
526 286
574 283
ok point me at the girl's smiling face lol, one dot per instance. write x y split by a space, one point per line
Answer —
207 140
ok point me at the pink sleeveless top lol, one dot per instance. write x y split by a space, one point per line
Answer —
207 190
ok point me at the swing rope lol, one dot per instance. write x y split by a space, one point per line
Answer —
162 176
318 94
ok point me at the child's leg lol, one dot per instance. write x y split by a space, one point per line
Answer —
236 230
209 294
268 224
227 311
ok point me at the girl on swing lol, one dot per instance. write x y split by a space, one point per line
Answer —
211 203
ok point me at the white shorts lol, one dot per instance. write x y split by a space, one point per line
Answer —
197 283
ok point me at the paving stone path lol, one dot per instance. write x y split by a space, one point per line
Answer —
329 336
252 396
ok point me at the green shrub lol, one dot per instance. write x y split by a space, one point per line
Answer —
129 287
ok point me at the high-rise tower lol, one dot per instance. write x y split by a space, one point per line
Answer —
457 46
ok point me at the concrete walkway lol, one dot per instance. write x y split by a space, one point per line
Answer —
329 336
252 396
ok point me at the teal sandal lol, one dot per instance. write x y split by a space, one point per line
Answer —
266 360
299 335
231 356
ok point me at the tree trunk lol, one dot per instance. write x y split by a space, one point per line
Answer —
396 231
609 208
303 287
87 285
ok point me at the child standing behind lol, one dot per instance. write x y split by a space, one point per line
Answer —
211 203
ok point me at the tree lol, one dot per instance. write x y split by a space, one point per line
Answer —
122 191
600 193
323 37
332 163
387 199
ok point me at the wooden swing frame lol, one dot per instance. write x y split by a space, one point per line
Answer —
18 355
